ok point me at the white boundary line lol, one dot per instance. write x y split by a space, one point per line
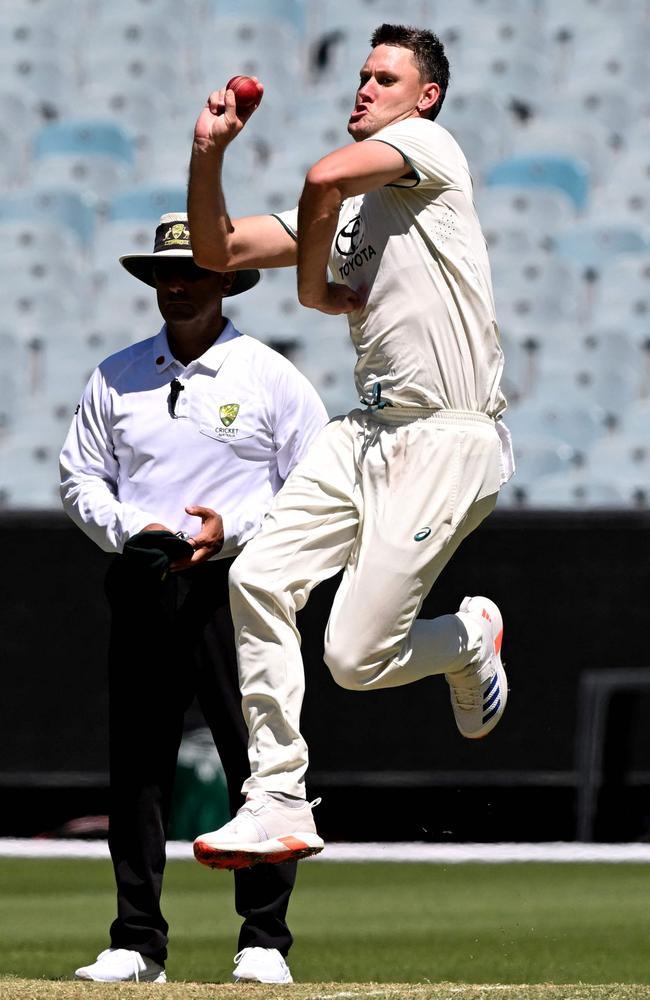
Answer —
560 852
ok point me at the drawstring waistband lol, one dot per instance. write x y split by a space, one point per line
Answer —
402 414
391 413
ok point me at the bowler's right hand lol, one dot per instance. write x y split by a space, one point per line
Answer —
218 124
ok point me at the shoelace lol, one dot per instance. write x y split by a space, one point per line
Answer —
252 807
467 698
255 805
240 954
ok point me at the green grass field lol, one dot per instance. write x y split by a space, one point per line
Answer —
353 924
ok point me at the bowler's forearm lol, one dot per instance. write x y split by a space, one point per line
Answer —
209 222
318 214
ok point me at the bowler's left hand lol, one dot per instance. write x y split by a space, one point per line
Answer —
334 299
207 542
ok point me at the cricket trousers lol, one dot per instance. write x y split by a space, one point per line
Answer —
387 496
170 641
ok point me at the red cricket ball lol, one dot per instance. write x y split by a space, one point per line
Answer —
247 92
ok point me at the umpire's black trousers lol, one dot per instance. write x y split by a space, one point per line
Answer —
170 641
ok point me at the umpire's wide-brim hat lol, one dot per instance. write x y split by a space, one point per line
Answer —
173 240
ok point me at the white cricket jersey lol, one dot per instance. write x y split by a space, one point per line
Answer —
428 330
243 419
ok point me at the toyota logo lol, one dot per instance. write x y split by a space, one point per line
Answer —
351 237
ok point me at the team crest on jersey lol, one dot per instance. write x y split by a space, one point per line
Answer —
228 413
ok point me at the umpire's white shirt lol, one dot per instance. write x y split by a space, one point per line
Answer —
244 418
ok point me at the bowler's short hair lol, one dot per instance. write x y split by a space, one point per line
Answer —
428 52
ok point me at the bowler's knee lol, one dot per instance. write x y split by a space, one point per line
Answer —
345 667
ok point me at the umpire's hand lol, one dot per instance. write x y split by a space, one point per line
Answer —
209 540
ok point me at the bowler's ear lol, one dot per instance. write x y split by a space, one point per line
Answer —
428 97
227 279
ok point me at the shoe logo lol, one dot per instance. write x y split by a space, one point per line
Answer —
491 699
423 533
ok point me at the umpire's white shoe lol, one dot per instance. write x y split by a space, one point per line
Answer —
120 965
261 965
480 690
265 830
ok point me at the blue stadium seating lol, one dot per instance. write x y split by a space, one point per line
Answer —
86 137
64 208
591 246
147 202
544 170
547 99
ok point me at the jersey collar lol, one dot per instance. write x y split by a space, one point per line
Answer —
212 359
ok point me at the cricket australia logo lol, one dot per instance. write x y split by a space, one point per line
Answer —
350 242
228 413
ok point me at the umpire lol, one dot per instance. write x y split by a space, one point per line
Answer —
173 457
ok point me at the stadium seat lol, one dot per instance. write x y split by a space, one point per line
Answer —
29 476
131 108
30 239
291 12
146 202
501 33
532 288
25 305
266 48
139 73
361 18
590 246
26 37
131 35
623 294
608 391
35 272
559 416
579 489
90 156
625 201
85 138
623 456
606 347
611 106
40 77
540 455
133 302
589 142
536 455
546 171
68 209
138 11
519 77
480 145
33 22
164 156
613 55
117 238
522 220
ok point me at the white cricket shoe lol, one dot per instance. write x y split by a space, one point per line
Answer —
120 965
480 690
261 965
264 830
